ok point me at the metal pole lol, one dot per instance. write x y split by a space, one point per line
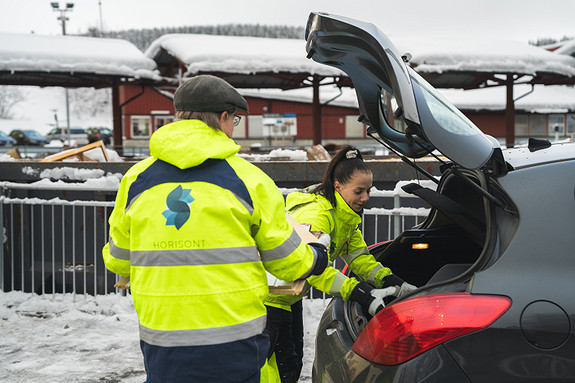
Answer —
68 116
63 19
509 113
4 240
316 118
66 89
101 22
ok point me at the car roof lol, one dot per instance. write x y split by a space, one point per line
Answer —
523 156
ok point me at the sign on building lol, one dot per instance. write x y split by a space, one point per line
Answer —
279 125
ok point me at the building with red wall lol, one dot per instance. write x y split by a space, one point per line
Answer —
145 109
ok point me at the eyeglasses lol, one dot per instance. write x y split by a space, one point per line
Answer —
237 119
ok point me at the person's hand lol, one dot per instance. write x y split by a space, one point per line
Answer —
369 298
404 289
325 240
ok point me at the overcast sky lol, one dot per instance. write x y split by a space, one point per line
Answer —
522 20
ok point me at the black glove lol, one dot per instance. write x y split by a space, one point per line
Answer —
369 298
321 257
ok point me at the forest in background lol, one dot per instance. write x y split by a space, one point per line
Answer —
143 38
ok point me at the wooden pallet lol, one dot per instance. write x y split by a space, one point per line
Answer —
78 153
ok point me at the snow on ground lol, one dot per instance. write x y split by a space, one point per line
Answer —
62 338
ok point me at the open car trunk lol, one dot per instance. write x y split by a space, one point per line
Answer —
455 241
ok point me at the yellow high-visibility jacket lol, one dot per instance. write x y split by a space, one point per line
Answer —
342 224
196 227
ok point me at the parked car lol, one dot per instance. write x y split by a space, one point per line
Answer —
77 136
494 258
6 140
28 137
97 134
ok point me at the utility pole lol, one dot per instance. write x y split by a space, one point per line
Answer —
101 21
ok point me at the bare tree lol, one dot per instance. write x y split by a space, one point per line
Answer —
9 97
86 103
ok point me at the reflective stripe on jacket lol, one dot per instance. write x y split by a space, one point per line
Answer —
342 224
189 226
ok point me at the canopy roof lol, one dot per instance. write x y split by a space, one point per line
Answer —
474 64
252 62
71 61
245 62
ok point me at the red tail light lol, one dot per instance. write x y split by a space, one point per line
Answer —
411 327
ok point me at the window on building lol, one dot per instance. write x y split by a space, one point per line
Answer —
162 120
538 125
556 124
570 124
141 126
521 125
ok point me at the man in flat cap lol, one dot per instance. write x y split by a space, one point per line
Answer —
196 227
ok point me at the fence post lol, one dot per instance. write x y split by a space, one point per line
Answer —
396 217
4 239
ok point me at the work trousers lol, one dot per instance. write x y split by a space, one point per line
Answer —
233 362
285 329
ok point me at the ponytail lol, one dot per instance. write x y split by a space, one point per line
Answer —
341 168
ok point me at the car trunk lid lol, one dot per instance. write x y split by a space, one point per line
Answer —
405 111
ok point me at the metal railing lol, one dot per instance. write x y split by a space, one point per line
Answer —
53 246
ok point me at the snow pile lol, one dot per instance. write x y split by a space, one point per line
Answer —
72 173
6 158
85 339
277 155
54 339
293 155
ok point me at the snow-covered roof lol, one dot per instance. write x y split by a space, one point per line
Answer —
452 59
328 94
249 55
73 55
234 54
566 48
485 56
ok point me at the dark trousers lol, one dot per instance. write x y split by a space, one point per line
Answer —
234 362
286 339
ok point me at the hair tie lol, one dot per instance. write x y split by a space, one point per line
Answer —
351 154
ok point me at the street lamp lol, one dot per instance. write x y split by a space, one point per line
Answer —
56 8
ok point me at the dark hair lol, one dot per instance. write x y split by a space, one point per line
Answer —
341 168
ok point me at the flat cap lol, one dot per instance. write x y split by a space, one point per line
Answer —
206 93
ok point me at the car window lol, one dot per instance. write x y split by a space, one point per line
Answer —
32 133
445 114
392 111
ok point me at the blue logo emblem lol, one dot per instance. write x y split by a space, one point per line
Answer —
178 204
332 248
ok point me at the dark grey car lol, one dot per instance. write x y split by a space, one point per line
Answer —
494 259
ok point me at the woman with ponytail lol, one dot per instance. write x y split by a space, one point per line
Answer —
334 207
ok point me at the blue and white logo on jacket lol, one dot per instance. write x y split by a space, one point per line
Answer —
178 207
